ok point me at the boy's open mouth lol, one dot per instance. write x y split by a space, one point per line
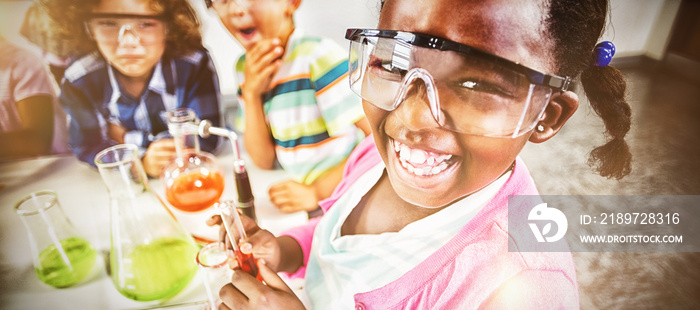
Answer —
247 33
420 162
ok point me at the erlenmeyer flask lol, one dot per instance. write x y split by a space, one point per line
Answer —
60 255
193 180
152 257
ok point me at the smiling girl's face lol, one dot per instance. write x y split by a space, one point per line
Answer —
465 163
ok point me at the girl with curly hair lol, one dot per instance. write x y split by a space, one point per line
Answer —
140 58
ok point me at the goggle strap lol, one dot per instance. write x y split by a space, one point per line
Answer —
160 17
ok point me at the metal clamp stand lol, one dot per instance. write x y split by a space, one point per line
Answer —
245 193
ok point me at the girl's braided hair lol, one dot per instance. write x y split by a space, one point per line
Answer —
575 27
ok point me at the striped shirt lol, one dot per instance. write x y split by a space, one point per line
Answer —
341 266
92 97
310 109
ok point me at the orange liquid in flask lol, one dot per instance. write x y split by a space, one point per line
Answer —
195 190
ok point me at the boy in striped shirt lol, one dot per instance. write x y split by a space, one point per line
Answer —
296 107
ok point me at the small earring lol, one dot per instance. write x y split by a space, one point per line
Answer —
540 128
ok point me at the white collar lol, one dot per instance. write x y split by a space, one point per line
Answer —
157 83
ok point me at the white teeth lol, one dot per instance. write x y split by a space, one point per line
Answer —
409 157
444 157
417 171
405 153
417 156
425 170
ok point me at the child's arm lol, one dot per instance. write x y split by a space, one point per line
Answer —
325 184
291 196
292 253
257 139
261 63
158 155
35 136
84 129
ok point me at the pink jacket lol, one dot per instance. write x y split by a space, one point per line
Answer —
473 270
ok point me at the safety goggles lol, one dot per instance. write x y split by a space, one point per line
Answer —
468 90
113 28
216 4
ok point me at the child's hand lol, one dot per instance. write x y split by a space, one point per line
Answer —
116 132
262 62
291 196
158 155
261 243
246 292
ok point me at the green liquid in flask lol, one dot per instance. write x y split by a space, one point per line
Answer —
156 270
55 272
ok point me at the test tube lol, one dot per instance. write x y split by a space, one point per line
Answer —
236 234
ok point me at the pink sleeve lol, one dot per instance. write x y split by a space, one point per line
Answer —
362 158
303 235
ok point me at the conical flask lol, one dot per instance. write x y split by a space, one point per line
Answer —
61 256
152 257
194 180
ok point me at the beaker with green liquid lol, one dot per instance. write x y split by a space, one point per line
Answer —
61 257
151 256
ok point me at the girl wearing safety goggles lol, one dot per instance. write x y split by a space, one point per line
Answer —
453 90
141 58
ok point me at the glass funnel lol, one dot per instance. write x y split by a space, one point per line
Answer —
152 257
193 180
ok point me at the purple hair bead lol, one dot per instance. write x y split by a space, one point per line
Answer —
603 53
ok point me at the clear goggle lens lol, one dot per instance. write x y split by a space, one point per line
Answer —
466 93
116 29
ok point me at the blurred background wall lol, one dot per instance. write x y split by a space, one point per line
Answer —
637 27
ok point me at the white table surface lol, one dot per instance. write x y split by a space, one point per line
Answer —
85 201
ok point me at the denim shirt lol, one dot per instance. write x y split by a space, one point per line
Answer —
92 98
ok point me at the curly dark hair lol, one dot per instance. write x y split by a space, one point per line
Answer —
70 15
